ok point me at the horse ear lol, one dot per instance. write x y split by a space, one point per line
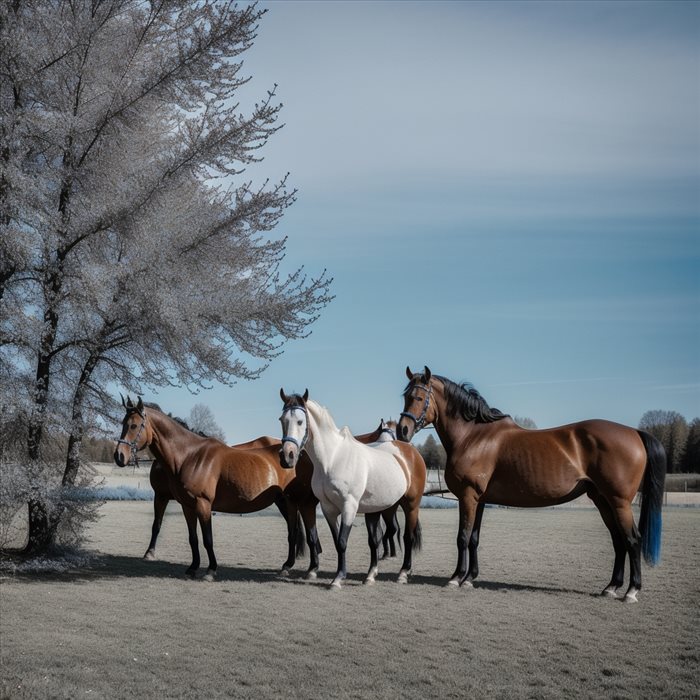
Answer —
283 396
306 395
129 402
409 374
123 399
428 374
139 406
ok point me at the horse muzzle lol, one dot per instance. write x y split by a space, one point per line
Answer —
405 430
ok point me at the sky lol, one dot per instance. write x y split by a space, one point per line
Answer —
508 193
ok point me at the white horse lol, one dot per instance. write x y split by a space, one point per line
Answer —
350 477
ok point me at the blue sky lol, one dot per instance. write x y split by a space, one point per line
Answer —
507 192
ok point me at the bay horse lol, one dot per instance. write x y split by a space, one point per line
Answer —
203 475
350 477
490 459
162 495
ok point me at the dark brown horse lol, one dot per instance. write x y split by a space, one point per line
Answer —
490 459
203 475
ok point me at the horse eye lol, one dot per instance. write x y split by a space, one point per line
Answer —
298 422
133 426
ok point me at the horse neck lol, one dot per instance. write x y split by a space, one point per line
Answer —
171 442
450 430
324 436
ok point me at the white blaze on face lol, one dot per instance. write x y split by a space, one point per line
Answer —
294 427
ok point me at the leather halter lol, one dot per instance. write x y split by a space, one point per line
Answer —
133 444
420 421
390 431
288 438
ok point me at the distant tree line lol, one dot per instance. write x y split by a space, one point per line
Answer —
680 439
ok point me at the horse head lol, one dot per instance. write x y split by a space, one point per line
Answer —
295 427
418 409
136 432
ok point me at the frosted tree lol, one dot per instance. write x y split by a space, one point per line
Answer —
132 251
201 420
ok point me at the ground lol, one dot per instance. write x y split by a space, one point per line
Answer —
532 627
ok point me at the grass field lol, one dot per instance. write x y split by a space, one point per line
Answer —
533 627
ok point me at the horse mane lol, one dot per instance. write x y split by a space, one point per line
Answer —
180 421
465 401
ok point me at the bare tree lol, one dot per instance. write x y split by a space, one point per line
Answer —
132 252
201 420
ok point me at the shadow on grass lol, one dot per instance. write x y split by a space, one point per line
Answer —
109 567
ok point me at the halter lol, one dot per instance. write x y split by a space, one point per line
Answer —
390 431
420 421
287 438
133 444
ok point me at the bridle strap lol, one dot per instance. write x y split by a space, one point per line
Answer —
390 431
133 444
420 421
289 438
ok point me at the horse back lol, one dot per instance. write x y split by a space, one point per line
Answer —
510 465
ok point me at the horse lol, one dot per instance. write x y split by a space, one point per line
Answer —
385 432
162 495
350 477
490 459
203 475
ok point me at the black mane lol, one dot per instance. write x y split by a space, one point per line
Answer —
465 401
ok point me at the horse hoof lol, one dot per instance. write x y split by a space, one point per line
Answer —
609 593
311 575
335 585
369 582
452 583
209 576
284 573
466 584
403 578
150 555
191 574
630 597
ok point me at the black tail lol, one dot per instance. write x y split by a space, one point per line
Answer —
301 537
652 498
417 538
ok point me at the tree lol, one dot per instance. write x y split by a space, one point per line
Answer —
201 420
690 463
129 254
525 422
433 453
671 429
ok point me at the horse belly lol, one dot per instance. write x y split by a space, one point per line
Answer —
385 486
531 488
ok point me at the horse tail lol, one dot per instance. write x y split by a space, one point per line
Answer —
652 494
417 538
301 537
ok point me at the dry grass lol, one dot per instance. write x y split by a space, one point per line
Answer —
532 627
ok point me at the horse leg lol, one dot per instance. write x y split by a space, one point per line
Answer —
340 536
203 508
374 537
618 575
630 535
308 515
289 513
191 518
392 528
411 537
473 571
160 503
468 506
